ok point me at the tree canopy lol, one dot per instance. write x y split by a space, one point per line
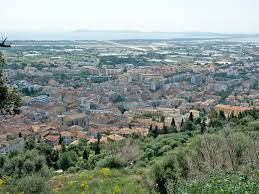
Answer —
10 100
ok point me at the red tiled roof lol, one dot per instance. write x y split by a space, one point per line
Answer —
92 140
229 107
52 138
115 137
66 134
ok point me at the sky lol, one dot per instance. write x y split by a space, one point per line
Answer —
225 16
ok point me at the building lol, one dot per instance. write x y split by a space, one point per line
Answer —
71 135
114 137
197 79
12 145
81 119
228 109
52 140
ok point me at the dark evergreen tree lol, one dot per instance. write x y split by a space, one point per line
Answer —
173 123
61 139
198 121
182 123
191 117
97 149
188 126
98 137
164 129
203 126
222 115
151 127
85 155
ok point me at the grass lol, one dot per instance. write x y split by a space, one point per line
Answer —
102 181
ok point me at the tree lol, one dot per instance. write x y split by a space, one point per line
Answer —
68 159
213 114
203 126
173 128
10 100
98 137
222 115
85 155
191 117
216 123
182 123
96 148
153 131
30 144
164 129
188 126
173 123
162 118
198 121
61 140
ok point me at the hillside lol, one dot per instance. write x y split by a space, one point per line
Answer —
220 158
104 181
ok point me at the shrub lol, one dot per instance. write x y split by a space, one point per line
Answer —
111 162
29 184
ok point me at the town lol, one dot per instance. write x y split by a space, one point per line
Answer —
75 90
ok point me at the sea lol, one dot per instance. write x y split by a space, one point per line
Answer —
117 35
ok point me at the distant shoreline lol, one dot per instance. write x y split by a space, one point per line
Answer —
129 35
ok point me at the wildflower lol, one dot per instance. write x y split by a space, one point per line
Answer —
106 171
84 185
116 189
71 183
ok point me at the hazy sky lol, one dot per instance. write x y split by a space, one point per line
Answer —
238 16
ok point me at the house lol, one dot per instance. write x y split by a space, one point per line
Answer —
67 137
115 137
91 140
70 136
80 119
12 145
125 132
52 140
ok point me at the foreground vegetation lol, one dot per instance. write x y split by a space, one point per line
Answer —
98 181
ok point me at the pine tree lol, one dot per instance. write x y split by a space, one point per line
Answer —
222 115
61 139
97 148
85 155
173 123
154 132
98 137
191 117
182 123
203 126
164 129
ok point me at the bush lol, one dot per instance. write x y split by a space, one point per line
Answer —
234 182
254 126
225 152
29 184
111 162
